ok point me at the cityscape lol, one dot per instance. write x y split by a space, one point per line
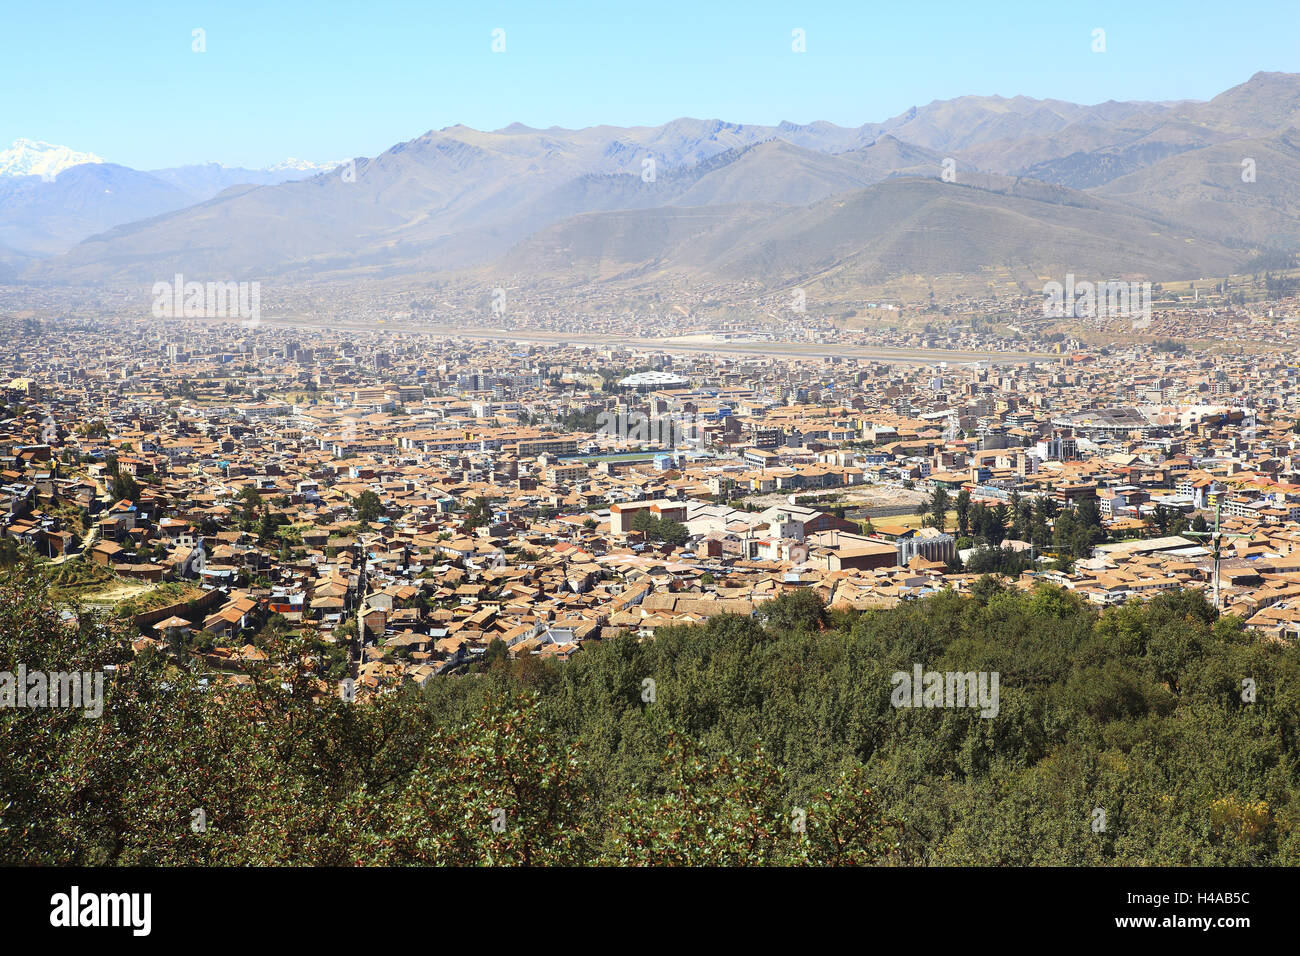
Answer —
594 495
410 498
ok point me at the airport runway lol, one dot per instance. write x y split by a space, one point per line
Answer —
883 353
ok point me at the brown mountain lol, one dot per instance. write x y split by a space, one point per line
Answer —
900 226
1121 179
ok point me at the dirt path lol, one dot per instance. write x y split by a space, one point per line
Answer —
86 545
116 594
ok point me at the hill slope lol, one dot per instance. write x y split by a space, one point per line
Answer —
900 226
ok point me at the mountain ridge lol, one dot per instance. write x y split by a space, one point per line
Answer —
459 199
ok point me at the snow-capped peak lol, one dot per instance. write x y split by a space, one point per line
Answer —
293 165
33 158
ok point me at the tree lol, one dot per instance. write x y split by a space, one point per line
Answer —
1161 519
936 508
1063 533
125 488
268 525
989 524
1039 533
735 741
798 610
672 533
479 515
1001 515
1089 513
644 521
963 512
251 499
1005 560
496 652
494 791
1024 520
368 506
732 811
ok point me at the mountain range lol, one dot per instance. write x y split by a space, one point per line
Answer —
33 158
52 197
1022 186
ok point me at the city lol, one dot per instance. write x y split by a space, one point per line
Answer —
458 442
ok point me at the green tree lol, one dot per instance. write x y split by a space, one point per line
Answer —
798 610
125 488
963 512
479 515
496 653
936 508
368 506
251 500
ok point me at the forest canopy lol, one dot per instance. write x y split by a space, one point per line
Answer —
741 741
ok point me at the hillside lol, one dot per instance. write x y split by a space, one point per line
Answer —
1137 711
901 226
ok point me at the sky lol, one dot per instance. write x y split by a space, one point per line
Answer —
326 81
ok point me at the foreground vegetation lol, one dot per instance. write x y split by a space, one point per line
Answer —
769 741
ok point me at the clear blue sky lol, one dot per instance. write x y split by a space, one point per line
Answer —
324 80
